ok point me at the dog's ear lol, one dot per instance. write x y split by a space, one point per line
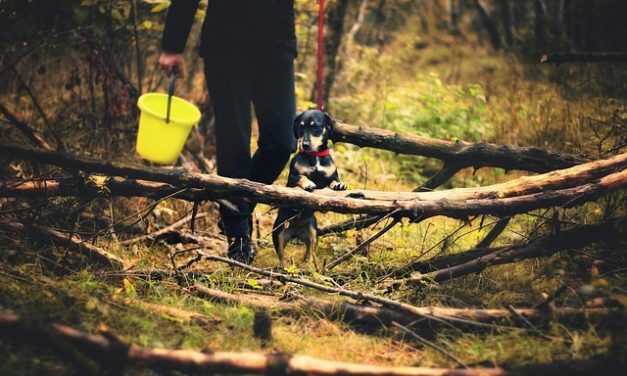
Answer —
298 128
329 123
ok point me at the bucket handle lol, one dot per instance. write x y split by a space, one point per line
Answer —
170 93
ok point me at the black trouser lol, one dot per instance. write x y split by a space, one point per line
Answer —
265 77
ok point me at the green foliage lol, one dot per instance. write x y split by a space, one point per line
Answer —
428 107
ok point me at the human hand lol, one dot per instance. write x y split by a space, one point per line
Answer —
172 63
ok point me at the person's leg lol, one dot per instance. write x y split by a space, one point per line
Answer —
275 105
229 80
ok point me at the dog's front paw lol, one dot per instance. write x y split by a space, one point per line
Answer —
338 186
310 186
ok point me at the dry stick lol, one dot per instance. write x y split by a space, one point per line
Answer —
574 238
93 185
104 349
74 243
108 62
573 186
147 211
328 289
401 270
448 171
163 231
464 316
177 313
363 245
500 226
358 223
25 129
430 344
374 316
40 110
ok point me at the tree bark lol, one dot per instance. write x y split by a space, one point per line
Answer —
539 22
566 187
94 185
335 31
373 316
506 15
453 16
108 350
488 23
464 154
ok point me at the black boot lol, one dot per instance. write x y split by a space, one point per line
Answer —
242 249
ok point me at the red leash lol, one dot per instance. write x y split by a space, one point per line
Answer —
320 93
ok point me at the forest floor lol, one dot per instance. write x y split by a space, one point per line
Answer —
511 105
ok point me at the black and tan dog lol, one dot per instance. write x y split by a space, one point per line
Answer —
312 168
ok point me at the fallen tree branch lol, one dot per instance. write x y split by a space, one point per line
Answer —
464 316
577 237
164 231
460 153
176 313
27 131
358 223
363 245
74 243
94 185
564 188
374 316
104 350
494 233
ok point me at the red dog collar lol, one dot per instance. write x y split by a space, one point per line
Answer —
323 153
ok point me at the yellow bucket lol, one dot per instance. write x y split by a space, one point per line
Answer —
157 140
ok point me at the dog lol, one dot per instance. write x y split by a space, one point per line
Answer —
311 168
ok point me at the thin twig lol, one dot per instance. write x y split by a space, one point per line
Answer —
430 344
162 231
363 245
417 311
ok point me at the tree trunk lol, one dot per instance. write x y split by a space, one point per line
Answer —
453 16
488 23
335 32
506 15
361 15
463 153
539 22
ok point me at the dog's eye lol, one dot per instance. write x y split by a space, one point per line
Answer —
302 123
312 123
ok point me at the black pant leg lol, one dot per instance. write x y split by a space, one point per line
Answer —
275 106
230 80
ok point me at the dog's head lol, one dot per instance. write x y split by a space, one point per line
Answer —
312 130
